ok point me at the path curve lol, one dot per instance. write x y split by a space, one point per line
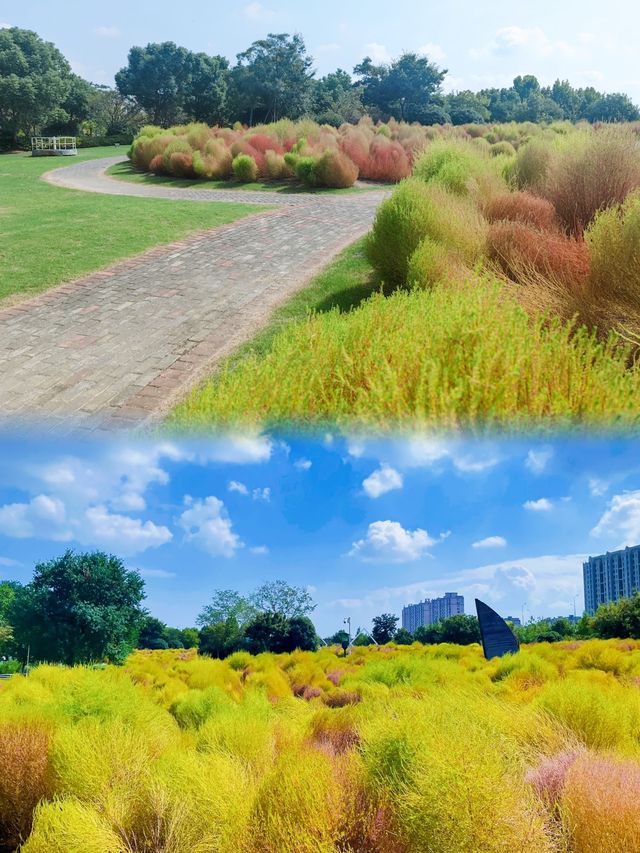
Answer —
117 348
90 176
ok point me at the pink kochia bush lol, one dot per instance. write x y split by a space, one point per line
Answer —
330 157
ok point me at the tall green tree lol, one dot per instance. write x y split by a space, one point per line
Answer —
336 99
407 89
227 604
281 597
171 83
78 608
384 628
35 81
274 74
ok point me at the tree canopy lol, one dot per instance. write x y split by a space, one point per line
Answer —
35 82
274 74
78 608
172 83
384 628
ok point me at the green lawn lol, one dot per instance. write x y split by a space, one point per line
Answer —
127 172
50 235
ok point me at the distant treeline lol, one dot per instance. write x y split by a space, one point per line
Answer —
88 607
274 78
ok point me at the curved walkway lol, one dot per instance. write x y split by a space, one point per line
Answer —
117 348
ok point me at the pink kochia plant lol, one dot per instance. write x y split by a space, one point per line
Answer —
601 803
549 778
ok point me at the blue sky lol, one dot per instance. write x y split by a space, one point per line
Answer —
482 44
367 525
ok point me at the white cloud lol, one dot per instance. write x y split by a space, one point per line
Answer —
43 517
537 460
385 479
622 518
261 494
541 505
491 542
238 450
259 550
303 464
207 523
256 12
388 541
433 51
378 52
46 517
532 41
108 32
544 582
156 573
598 487
428 452
7 562
5 26
127 535
240 488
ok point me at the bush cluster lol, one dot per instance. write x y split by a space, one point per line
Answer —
319 753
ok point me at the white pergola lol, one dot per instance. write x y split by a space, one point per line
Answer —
53 146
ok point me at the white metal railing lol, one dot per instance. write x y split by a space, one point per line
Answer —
54 144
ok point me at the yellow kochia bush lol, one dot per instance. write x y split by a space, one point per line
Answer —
317 753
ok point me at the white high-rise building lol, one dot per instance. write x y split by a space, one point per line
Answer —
611 576
432 610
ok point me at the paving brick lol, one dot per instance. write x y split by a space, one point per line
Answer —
116 348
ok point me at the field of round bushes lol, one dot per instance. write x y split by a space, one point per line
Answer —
511 294
420 749
305 152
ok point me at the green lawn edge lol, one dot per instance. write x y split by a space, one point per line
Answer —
51 235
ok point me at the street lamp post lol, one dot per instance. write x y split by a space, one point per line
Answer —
347 621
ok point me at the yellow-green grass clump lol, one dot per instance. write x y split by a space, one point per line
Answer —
394 749
456 356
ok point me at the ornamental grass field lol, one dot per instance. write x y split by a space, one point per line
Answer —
387 750
510 294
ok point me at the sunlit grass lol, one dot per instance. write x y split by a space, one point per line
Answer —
269 754
50 235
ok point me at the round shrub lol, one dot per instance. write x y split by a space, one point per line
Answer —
177 146
181 165
387 161
416 211
530 167
518 248
521 207
277 168
592 174
432 263
306 171
503 147
614 242
245 169
335 170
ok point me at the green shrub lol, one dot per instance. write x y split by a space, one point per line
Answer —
432 263
306 171
245 169
459 166
414 212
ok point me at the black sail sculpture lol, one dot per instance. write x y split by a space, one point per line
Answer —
497 637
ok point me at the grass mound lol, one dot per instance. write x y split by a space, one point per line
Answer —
458 356
537 752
